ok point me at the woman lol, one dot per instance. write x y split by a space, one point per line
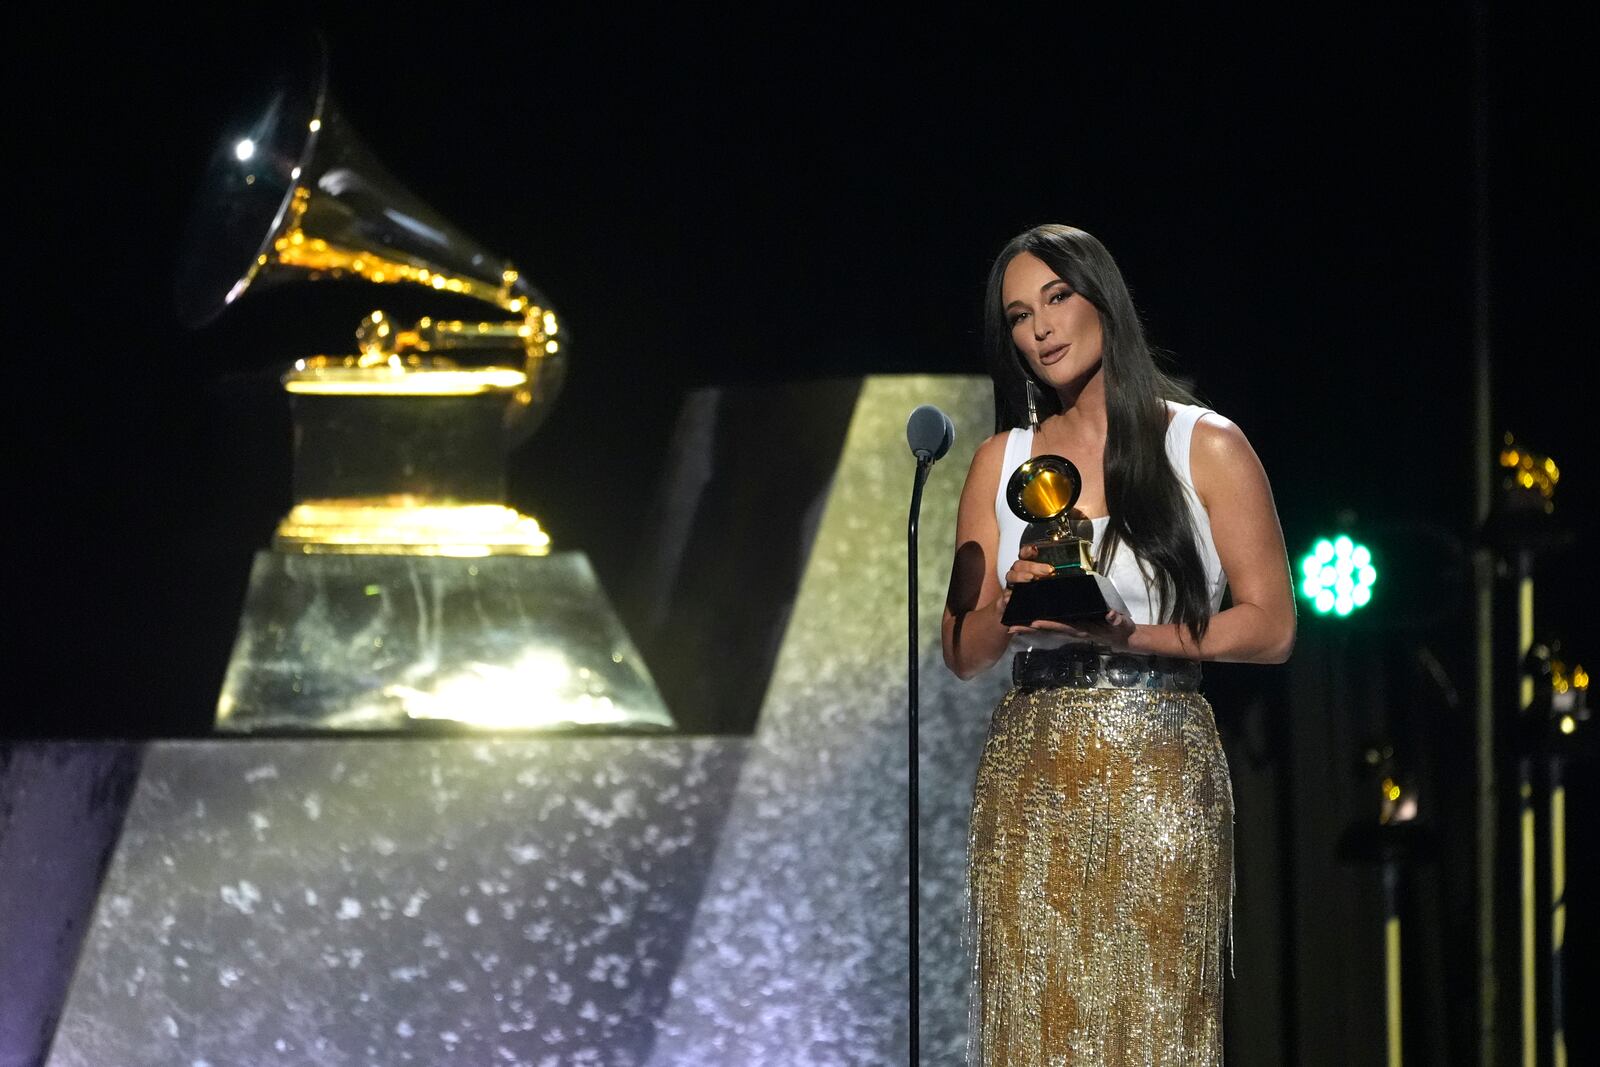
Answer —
1101 849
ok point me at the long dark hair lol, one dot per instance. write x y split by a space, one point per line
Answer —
1143 495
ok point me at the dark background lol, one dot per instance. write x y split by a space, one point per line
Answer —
744 201
723 201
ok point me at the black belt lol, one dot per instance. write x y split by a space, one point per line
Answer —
1085 667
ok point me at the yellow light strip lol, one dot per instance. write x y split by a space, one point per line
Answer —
1525 633
1391 947
1530 1015
1558 898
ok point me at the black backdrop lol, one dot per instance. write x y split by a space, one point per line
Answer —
738 200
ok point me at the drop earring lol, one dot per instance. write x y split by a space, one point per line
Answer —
1033 405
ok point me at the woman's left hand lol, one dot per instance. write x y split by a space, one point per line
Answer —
1114 633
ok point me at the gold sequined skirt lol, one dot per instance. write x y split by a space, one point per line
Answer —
1100 881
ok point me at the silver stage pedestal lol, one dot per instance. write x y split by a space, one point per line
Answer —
578 900
394 642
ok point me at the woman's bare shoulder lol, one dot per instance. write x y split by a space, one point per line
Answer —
1221 456
986 460
994 444
1218 438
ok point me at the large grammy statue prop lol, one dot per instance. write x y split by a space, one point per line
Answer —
400 589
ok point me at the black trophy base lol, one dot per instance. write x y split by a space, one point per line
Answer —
1068 598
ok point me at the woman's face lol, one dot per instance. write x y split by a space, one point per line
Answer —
1056 330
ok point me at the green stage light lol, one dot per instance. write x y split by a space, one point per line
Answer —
1338 575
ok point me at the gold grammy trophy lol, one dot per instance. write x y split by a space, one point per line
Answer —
1042 492
399 590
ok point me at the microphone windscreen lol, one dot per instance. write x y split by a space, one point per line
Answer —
930 432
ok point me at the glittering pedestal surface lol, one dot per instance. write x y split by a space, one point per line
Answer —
578 900
398 901
61 807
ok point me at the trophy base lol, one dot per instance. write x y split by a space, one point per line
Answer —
402 526
409 643
1065 598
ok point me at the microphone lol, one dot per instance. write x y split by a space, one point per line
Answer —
930 433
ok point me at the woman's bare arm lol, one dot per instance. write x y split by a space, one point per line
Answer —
1260 625
973 636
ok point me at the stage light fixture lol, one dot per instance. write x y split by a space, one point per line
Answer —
1337 575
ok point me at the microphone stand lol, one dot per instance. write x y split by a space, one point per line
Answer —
924 465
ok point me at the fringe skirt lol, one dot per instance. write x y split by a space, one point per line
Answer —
1100 881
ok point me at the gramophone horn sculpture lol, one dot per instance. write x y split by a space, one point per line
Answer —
293 195
399 588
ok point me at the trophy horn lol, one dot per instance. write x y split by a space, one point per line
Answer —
1044 488
294 194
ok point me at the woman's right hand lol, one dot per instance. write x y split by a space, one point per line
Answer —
1027 568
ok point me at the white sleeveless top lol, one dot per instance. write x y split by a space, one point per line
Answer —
1128 572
